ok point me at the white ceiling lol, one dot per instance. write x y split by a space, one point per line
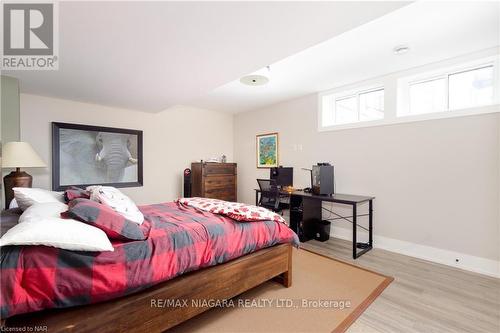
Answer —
434 31
151 55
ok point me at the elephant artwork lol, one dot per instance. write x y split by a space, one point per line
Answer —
97 157
114 155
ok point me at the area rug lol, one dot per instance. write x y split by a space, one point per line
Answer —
326 295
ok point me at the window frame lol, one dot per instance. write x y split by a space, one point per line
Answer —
346 94
404 83
396 92
446 76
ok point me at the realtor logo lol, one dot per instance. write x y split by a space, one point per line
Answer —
29 36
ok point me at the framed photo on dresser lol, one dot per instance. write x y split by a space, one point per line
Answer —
267 150
84 155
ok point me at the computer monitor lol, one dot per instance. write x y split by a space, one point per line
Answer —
282 175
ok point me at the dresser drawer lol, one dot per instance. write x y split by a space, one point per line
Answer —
215 182
219 169
221 194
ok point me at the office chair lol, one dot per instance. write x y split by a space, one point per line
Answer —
269 195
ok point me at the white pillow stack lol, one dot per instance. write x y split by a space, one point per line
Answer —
26 196
116 200
41 224
40 211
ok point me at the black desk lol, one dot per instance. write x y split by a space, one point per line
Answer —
306 210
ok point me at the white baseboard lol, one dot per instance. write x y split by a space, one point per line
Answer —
467 262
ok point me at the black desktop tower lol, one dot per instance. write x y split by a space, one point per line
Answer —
322 177
187 183
305 215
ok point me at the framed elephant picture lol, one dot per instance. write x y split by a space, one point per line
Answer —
85 155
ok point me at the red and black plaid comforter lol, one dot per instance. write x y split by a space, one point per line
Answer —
180 240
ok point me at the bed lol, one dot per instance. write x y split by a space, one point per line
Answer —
188 255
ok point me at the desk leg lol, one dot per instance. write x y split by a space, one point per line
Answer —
256 198
370 223
354 231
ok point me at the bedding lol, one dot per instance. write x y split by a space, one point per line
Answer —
116 200
54 231
235 210
27 196
48 209
103 217
13 204
75 192
180 239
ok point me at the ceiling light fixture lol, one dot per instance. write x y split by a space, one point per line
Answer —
254 80
257 79
401 49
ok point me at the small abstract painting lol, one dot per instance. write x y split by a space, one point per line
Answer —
267 150
85 155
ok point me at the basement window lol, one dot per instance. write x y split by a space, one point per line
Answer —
453 90
456 87
352 107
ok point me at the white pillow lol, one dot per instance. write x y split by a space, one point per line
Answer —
40 211
117 201
13 204
26 196
65 234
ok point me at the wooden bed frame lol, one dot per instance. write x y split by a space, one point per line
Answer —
137 313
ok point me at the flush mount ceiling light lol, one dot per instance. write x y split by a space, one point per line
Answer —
259 78
254 80
401 49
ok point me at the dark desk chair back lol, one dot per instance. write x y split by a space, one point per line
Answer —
270 194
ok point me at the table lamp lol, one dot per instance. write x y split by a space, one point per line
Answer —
18 155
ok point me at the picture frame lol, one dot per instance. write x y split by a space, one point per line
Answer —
267 147
85 155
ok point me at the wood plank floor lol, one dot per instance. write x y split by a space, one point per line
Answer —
425 297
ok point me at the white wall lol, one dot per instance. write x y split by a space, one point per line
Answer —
9 118
172 139
436 182
10 109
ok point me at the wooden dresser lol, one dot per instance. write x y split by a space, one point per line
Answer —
214 180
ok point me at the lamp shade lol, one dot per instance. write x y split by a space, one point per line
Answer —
20 155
